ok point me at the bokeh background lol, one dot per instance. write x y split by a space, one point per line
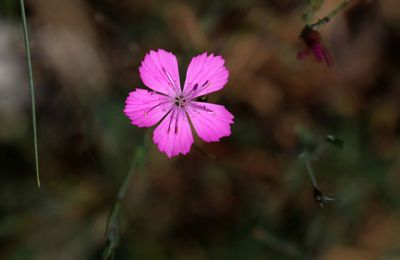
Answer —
255 200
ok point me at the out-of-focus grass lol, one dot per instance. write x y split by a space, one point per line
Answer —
32 90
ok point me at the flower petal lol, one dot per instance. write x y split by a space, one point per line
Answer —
145 108
210 121
321 54
173 135
159 71
205 74
301 55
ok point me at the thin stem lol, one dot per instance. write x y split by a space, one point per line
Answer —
315 5
113 231
280 245
339 8
198 148
138 157
333 13
310 171
32 89
318 196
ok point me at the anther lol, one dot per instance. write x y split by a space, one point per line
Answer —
205 83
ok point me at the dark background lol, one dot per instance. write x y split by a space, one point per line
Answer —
255 200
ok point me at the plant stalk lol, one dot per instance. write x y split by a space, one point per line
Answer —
32 89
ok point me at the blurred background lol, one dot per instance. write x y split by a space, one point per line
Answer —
255 201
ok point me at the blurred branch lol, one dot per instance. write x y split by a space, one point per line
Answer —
32 89
319 197
309 169
315 6
338 9
113 229
311 148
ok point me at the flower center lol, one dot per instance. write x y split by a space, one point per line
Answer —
180 101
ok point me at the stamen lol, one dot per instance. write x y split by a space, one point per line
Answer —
176 122
170 121
159 93
202 108
205 83
146 112
171 81
195 91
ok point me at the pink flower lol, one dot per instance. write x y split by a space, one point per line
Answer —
174 107
312 39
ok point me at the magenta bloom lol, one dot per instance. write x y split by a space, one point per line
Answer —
313 41
174 107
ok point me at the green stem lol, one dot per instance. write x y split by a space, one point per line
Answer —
137 159
315 5
333 13
338 9
113 223
310 171
32 89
